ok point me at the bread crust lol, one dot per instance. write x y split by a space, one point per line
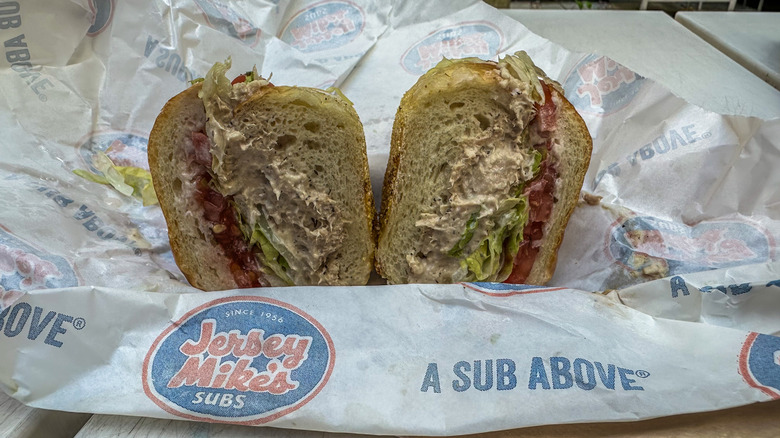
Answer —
572 133
179 118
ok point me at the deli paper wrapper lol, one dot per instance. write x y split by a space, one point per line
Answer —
665 298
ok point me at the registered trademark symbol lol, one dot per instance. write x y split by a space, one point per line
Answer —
42 97
707 134
79 323
642 373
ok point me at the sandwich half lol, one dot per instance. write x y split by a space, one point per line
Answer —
486 164
263 185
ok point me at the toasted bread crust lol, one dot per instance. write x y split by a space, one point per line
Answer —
179 118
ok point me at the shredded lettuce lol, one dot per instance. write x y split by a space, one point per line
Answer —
522 67
273 260
471 225
485 263
493 258
216 83
127 180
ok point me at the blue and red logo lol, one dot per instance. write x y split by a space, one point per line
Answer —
222 17
123 148
640 242
245 360
598 85
323 26
507 289
759 363
476 38
24 268
102 15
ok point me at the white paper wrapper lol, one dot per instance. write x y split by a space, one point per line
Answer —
95 317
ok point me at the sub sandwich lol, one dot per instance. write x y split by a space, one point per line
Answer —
486 164
263 185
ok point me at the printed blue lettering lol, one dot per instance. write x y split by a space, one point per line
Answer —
646 152
57 329
626 382
37 326
538 374
505 374
460 370
488 383
17 41
678 285
560 372
26 310
690 134
607 376
676 139
9 8
431 379
151 44
661 145
579 365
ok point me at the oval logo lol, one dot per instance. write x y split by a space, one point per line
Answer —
123 148
24 268
323 26
245 360
222 17
643 242
759 363
598 85
102 14
479 39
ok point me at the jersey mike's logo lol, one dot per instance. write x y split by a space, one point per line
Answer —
123 148
24 268
660 248
463 40
222 17
245 360
598 85
323 26
759 363
102 14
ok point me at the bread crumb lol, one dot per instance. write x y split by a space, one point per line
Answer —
591 199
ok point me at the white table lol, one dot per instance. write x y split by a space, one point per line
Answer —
653 45
750 38
732 3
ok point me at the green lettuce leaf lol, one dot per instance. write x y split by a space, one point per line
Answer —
471 225
486 262
127 180
271 257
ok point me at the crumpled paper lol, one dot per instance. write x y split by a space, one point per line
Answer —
678 224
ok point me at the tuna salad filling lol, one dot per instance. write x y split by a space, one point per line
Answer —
265 214
490 217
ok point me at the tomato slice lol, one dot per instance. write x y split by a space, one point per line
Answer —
238 79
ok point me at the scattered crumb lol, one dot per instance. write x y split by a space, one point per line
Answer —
591 199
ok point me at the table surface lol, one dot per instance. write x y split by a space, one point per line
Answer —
750 38
649 42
